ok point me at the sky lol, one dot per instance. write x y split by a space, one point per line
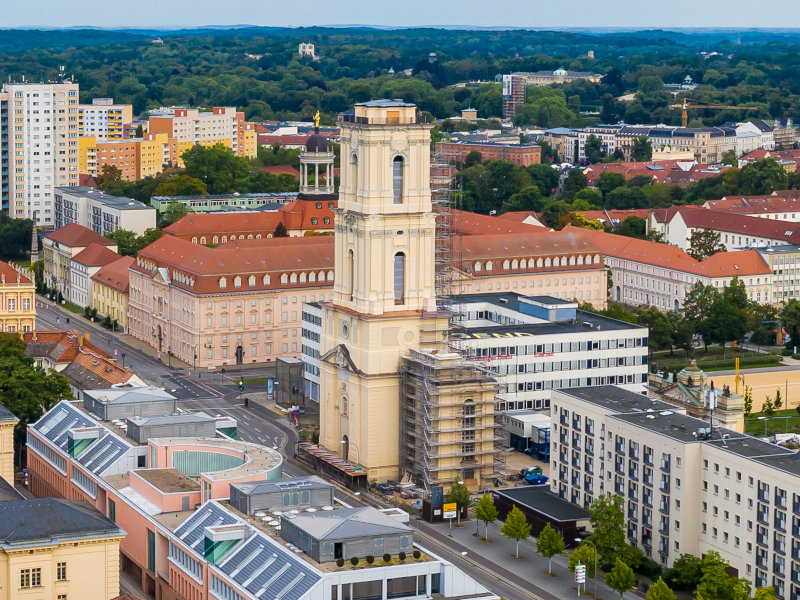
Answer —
179 14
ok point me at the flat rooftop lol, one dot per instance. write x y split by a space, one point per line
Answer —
258 459
169 481
118 202
540 499
616 399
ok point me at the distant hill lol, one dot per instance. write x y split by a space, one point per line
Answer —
15 40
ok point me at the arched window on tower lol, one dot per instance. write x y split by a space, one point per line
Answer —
350 277
399 278
397 179
354 171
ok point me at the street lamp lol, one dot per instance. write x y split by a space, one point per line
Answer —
595 562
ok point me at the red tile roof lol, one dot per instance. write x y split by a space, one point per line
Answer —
669 172
615 216
730 222
60 346
784 201
281 169
518 216
11 274
77 236
474 224
537 242
95 255
116 275
304 214
722 264
665 215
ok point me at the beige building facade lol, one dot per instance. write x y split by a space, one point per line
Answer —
384 297
17 300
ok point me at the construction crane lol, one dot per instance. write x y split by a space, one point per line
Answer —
686 106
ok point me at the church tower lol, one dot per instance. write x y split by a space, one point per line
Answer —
384 293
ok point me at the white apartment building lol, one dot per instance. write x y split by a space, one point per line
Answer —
311 333
575 141
104 120
41 126
532 345
100 212
687 488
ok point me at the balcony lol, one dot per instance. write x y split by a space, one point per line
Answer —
633 473
763 494
762 540
663 507
648 458
763 517
664 487
761 561
619 448
665 466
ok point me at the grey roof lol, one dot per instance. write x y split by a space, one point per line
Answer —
49 520
84 378
268 570
59 420
130 395
616 399
211 514
100 455
7 415
675 425
290 484
540 499
118 202
345 523
386 103
173 419
8 492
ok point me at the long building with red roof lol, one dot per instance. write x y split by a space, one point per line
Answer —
241 301
646 273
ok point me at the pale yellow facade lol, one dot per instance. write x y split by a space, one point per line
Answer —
17 304
136 158
86 569
384 294
7 448
109 301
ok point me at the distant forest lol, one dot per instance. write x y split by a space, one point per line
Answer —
259 70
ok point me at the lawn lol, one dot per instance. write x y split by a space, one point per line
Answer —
255 380
783 421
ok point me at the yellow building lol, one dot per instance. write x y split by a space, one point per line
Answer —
7 423
17 305
110 290
57 549
384 297
136 158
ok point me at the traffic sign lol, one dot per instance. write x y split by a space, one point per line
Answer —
580 573
450 510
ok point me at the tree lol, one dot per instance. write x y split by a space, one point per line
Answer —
217 166
125 240
765 593
703 244
552 211
473 158
150 235
762 336
715 582
697 306
281 231
642 149
748 400
762 177
729 158
528 198
725 322
686 572
767 407
175 211
460 495
109 175
790 319
608 521
575 182
181 185
620 578
25 389
660 591
544 177
633 226
583 555
516 527
486 511
593 148
549 544
609 181
588 199
778 404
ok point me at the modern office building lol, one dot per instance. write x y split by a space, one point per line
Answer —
40 148
311 333
104 120
687 486
535 344
101 212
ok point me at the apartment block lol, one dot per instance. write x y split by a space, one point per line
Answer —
135 158
189 126
40 146
687 486
104 120
514 85
522 155
101 212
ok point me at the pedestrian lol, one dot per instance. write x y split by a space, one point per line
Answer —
246 402
67 320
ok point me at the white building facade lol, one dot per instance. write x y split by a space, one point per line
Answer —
311 333
41 125
100 212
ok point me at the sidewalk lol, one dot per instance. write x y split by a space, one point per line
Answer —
530 566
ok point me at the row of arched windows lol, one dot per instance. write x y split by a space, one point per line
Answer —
539 263
286 278
216 239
